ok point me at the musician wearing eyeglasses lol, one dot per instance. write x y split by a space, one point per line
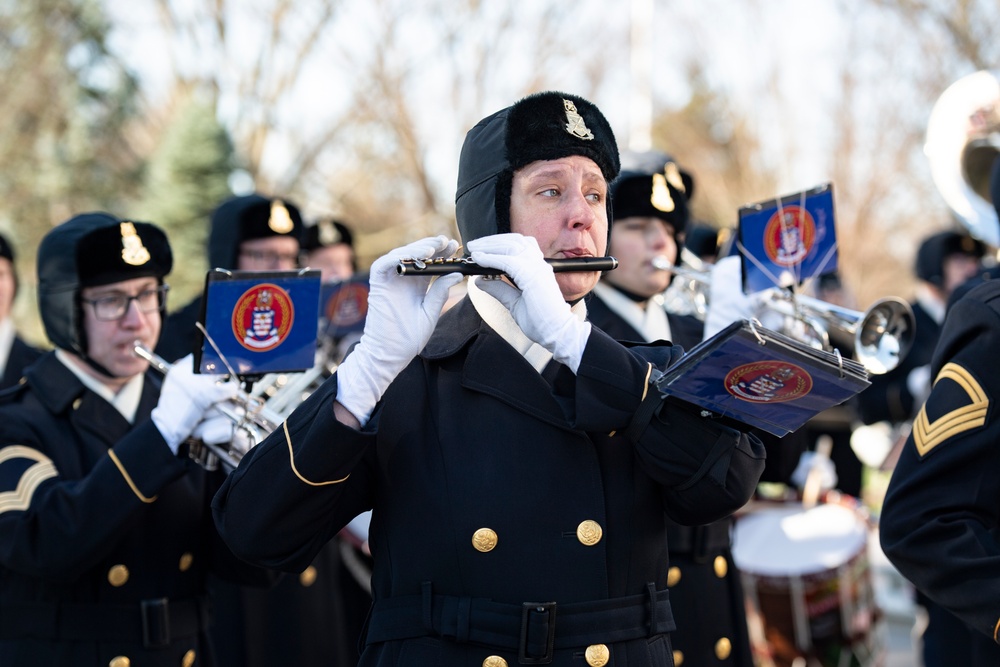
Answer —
517 481
105 537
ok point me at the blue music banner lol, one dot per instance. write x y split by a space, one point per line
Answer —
259 322
344 306
787 240
762 378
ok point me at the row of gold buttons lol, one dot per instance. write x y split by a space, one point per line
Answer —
588 532
123 661
118 574
597 655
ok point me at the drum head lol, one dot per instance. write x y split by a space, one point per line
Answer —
787 540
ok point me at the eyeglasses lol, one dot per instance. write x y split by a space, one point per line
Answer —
270 258
113 307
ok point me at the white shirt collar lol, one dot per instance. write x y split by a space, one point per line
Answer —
500 320
7 335
126 401
931 303
650 321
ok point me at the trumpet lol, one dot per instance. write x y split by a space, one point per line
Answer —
688 291
249 414
880 336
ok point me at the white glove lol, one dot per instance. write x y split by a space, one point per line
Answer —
536 304
402 314
918 382
184 400
219 429
824 469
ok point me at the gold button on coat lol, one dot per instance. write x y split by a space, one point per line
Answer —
117 576
308 576
120 661
597 655
188 659
484 540
589 532
494 661
186 559
721 566
678 658
723 648
673 576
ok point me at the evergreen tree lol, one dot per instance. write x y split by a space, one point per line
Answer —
186 178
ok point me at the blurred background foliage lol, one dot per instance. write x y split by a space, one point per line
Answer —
160 109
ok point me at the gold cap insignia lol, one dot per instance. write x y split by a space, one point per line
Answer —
133 252
328 233
574 122
280 221
660 197
673 175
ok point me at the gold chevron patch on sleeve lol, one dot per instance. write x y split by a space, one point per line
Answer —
927 435
41 470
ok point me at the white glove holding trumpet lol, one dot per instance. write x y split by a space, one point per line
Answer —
186 400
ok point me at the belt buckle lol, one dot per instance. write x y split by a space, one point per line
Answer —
155 623
527 609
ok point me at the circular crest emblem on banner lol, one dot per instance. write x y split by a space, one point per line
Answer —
789 235
262 317
348 306
771 381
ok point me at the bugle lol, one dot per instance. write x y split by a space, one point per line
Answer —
250 416
880 337
465 266
687 293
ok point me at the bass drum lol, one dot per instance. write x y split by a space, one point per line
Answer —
808 585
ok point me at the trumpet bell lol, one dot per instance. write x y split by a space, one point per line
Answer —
884 335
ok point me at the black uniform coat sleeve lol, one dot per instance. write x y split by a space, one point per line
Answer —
471 436
85 497
941 518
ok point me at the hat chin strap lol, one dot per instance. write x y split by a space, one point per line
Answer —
98 367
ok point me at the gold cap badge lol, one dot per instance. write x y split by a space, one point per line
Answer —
673 174
133 252
574 122
280 221
660 197
328 233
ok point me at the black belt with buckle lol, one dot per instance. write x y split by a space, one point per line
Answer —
153 623
531 628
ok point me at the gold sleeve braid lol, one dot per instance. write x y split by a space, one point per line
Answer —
128 479
291 462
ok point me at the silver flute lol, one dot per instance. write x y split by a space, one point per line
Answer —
465 266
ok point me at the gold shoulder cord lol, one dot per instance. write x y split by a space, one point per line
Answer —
128 479
291 461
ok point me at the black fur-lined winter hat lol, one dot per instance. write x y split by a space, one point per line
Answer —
543 126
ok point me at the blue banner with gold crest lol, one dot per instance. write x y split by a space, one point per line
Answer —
344 306
787 240
259 322
762 378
